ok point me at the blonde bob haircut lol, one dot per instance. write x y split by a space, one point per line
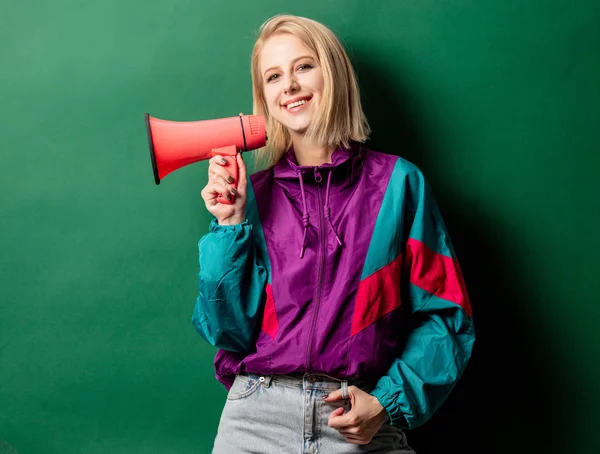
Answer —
339 118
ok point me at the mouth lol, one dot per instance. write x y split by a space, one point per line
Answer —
297 104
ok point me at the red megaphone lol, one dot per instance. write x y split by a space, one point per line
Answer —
175 144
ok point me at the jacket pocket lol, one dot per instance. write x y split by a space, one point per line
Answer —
243 387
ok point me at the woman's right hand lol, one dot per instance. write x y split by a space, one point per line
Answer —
219 183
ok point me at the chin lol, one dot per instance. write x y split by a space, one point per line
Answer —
297 129
297 125
294 127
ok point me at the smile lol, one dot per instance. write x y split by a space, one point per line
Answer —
297 105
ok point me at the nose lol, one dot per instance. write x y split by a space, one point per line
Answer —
291 84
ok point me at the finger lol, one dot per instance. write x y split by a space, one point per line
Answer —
209 198
243 172
218 160
337 420
218 170
356 440
242 183
346 421
214 189
333 396
210 191
221 181
351 431
337 412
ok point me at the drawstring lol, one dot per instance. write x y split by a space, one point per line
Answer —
328 210
305 215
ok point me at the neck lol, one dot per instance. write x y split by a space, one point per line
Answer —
311 154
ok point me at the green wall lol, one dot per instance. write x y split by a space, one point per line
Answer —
496 101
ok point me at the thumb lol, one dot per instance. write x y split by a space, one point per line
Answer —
242 169
333 396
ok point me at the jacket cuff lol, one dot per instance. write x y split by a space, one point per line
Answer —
215 227
397 418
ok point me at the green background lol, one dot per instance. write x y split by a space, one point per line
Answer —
496 101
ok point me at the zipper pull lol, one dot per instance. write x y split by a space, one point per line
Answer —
318 177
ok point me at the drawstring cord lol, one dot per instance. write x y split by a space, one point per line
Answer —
326 209
305 215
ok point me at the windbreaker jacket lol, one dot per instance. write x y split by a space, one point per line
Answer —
344 269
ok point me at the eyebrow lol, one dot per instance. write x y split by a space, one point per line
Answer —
293 61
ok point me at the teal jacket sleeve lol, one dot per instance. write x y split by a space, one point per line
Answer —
231 286
440 341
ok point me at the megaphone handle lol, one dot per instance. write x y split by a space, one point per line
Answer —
229 153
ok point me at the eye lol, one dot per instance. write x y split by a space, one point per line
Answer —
272 77
304 66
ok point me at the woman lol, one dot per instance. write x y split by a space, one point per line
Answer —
330 285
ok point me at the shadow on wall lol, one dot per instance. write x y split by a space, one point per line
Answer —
507 400
5 448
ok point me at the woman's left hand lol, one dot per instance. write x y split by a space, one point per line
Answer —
364 419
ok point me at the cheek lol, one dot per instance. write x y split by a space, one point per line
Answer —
320 84
320 88
270 95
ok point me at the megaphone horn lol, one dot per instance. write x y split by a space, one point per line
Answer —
175 144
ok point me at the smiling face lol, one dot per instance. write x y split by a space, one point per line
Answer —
292 82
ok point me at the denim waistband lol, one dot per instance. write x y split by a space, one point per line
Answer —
309 381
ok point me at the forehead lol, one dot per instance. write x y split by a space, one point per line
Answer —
280 49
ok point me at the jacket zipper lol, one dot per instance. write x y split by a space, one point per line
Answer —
322 254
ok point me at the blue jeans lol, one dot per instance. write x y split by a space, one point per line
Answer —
280 414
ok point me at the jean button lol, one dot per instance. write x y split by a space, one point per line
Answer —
312 379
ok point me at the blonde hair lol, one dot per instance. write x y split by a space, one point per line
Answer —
339 118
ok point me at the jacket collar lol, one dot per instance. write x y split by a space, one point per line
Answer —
345 165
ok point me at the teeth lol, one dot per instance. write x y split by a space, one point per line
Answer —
296 104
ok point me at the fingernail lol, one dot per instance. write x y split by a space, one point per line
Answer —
230 179
233 191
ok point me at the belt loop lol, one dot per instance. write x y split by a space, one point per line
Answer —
344 389
267 381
